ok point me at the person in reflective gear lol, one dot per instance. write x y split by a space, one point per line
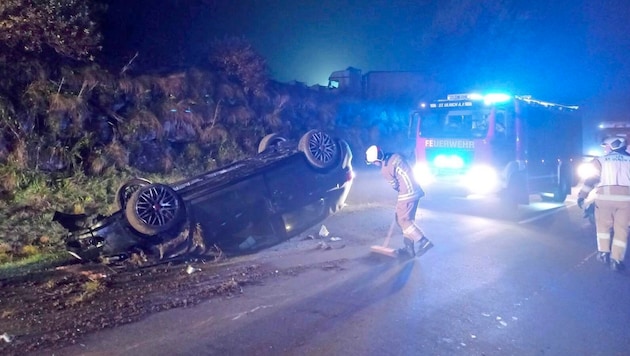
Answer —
612 201
399 175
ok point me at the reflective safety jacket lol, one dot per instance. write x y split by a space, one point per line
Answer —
612 181
399 175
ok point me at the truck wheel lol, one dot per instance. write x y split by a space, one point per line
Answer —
516 191
508 198
153 209
126 190
320 149
561 191
560 195
270 141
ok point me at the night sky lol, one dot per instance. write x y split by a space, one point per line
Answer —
573 51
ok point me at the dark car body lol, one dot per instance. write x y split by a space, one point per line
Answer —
242 207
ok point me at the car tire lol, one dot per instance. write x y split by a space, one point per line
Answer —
320 149
126 190
269 141
154 209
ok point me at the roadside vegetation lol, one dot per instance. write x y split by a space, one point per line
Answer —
72 131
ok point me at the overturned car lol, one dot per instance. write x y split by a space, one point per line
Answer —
243 207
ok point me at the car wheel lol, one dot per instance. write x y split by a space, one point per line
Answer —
320 149
270 141
126 190
153 209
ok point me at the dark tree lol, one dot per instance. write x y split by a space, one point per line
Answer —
34 28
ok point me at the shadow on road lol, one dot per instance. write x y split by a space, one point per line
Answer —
326 310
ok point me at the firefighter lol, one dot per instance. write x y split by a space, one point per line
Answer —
399 175
612 201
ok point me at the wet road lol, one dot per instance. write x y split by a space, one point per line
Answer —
496 283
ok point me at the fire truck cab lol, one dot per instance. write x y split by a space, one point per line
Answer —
513 146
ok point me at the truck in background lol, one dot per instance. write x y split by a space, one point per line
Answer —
514 146
379 103
379 86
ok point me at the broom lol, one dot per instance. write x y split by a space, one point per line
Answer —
384 249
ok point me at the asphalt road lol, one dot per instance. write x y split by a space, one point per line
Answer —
496 283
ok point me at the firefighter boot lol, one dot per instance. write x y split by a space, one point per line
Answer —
603 257
408 250
424 245
617 266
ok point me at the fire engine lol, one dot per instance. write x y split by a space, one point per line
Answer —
514 146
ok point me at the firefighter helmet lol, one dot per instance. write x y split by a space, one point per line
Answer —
615 143
373 154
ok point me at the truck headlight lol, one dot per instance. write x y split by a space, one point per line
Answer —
481 179
586 170
422 174
448 161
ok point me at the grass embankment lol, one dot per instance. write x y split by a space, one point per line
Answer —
29 199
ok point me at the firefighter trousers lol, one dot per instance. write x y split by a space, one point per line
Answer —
611 221
406 216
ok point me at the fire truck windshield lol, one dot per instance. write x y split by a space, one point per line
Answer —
453 124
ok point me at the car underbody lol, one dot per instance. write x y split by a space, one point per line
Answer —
240 208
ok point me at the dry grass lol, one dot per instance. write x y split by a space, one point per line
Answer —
173 85
7 313
30 250
142 125
89 290
215 134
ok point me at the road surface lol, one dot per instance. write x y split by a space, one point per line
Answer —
496 283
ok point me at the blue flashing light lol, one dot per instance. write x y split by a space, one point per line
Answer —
496 98
488 99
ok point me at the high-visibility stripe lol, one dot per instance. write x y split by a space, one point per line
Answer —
614 190
413 231
603 236
399 175
613 197
406 179
618 243
408 196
